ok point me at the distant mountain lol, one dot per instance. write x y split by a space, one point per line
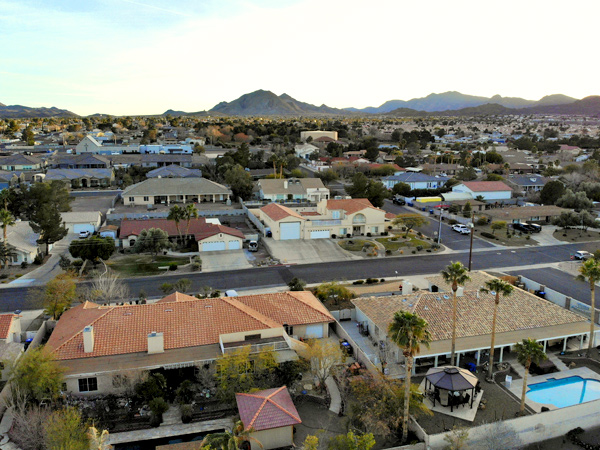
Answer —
175 113
262 102
480 110
19 112
2 104
588 106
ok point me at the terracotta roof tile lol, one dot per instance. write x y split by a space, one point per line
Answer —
350 205
6 321
486 186
198 227
264 410
277 212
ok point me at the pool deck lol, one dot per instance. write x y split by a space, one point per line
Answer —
517 385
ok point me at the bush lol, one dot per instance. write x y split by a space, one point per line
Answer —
77 263
372 280
3 276
481 221
527 237
185 393
155 421
488 235
196 265
186 413
359 282
368 234
173 266
413 252
24 265
382 280
158 406
39 259
452 222
419 248
333 236
348 235
388 252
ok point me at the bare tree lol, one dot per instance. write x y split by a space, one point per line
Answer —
28 429
500 436
107 288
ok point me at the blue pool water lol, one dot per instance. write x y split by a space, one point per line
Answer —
565 391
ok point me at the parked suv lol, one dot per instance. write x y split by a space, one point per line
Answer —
460 228
399 201
535 228
583 255
84 234
522 227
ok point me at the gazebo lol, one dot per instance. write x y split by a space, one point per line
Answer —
453 381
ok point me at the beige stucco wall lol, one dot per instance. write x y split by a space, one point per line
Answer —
240 336
220 237
300 331
273 438
105 384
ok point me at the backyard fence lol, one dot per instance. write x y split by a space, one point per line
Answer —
164 214
252 218
359 354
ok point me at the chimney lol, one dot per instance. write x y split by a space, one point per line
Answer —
460 291
406 288
156 343
285 184
88 339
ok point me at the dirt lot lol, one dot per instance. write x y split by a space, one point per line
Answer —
574 235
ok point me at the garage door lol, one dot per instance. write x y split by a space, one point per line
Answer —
289 230
319 234
234 245
314 331
213 246
79 227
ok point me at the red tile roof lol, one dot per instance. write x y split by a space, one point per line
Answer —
198 227
6 321
390 215
185 321
486 186
350 205
277 212
264 410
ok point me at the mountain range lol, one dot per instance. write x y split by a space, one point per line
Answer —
20 112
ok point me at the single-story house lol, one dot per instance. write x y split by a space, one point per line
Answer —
305 150
527 183
271 415
160 160
489 190
441 169
174 190
168 149
19 162
83 161
210 237
174 171
516 214
23 243
513 168
520 315
79 178
91 144
77 222
415 180
8 179
306 189
100 345
330 218
11 347
109 231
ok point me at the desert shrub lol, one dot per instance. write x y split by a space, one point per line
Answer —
488 235
359 282
186 413
481 221
173 266
419 248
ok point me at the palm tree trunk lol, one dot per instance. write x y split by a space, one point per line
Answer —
453 351
491 367
592 318
409 364
5 245
524 392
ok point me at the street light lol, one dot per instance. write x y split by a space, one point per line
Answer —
471 225
439 237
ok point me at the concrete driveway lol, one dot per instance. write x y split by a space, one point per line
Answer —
307 251
224 260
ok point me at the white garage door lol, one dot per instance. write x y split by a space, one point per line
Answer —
319 234
289 230
213 246
79 227
314 331
234 245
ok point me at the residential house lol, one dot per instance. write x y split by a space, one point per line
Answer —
83 161
78 221
100 346
174 171
330 218
91 144
301 189
10 347
111 231
271 415
517 214
79 178
489 190
441 169
305 150
8 179
520 315
20 162
174 190
527 183
208 236
304 135
22 241
415 180
160 160
167 149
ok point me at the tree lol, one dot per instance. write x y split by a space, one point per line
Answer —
457 439
590 272
327 176
410 221
240 182
577 201
36 376
98 440
28 136
497 287
152 241
166 288
107 288
7 253
498 225
182 285
363 187
402 189
47 221
310 443
190 212
323 355
551 192
296 284
467 174
92 248
28 426
65 430
455 274
229 440
176 214
333 291
6 220
528 352
467 209
58 294
408 331
351 441
54 194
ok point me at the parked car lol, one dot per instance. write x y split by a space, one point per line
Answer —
582 255
522 227
535 228
399 201
460 228
84 234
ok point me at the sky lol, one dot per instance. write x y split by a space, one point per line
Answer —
127 57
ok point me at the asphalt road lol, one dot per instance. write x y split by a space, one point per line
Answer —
450 238
558 280
19 298
103 193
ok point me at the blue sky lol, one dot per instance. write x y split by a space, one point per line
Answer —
145 56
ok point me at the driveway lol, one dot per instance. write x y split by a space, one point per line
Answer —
307 251
224 260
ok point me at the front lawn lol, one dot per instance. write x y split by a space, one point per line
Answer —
576 235
354 245
395 243
140 265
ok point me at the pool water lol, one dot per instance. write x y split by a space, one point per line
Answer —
565 391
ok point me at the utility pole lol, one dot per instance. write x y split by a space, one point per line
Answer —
439 240
472 226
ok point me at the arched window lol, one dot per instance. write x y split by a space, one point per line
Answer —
359 218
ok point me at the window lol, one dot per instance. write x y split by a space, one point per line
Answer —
359 218
289 329
343 231
131 199
146 198
63 387
374 229
252 337
335 214
88 384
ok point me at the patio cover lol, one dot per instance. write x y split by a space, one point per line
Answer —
451 378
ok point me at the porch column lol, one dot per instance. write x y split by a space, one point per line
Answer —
457 359
214 198
501 354
581 341
478 356
435 361
565 344
545 342
413 369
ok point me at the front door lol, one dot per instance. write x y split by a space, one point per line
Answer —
356 230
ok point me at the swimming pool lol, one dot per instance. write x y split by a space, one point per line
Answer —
565 391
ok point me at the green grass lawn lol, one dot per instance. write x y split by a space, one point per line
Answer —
356 245
139 265
412 241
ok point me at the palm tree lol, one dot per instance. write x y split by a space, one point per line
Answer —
176 214
6 220
528 351
190 212
497 287
590 271
455 274
229 440
408 331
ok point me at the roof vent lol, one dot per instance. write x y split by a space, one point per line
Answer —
128 313
168 310
446 297
438 298
208 306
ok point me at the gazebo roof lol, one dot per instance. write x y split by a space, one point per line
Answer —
451 378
